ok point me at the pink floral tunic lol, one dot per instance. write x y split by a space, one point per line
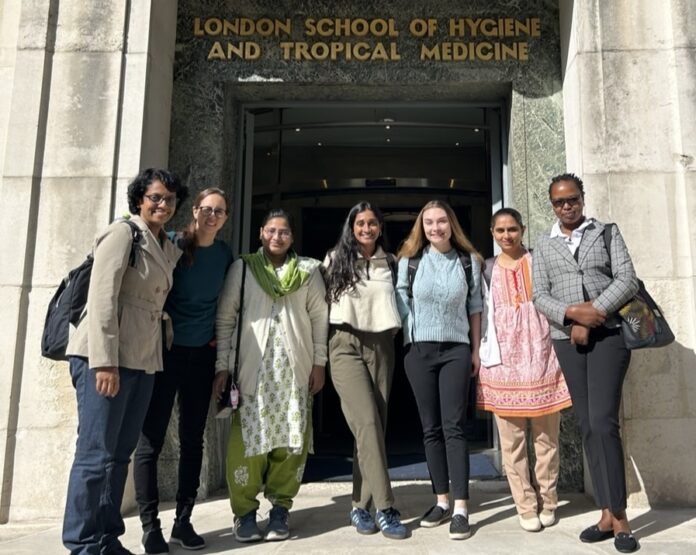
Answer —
529 381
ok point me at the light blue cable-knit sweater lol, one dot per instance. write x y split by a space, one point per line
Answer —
440 310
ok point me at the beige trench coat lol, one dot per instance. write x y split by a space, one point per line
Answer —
123 324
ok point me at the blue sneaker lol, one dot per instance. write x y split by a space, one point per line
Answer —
362 520
246 529
277 529
390 525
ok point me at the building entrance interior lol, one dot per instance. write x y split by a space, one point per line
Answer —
318 160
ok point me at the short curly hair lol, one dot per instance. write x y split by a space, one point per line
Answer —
567 177
138 187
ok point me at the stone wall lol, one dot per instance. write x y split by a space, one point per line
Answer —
81 111
629 91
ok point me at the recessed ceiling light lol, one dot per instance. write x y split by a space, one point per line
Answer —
389 140
476 129
319 144
387 126
297 129
456 144
268 153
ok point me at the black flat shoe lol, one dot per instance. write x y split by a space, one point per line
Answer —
625 542
594 534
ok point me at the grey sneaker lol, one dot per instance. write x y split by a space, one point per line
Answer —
435 516
277 528
245 528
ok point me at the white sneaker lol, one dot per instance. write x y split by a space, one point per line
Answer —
547 518
530 522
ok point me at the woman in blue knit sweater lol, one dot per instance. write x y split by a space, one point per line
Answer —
440 305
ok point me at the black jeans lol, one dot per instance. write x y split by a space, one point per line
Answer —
595 374
439 374
188 371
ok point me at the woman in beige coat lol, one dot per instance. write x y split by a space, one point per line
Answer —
114 354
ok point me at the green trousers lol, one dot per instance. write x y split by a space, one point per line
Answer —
278 473
362 369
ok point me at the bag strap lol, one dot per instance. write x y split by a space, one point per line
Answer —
607 238
393 268
235 374
488 270
136 237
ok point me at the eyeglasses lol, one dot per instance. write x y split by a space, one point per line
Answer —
210 211
559 202
271 231
169 200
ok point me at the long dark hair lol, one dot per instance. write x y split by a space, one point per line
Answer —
342 275
188 241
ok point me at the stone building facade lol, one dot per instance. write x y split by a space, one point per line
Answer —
90 92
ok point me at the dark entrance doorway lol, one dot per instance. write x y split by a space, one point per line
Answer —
317 161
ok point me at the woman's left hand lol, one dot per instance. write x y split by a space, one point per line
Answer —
475 364
316 379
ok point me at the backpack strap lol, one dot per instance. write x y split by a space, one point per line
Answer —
136 237
412 269
465 260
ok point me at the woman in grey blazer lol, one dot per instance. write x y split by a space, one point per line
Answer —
580 288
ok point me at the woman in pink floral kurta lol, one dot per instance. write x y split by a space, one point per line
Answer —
520 380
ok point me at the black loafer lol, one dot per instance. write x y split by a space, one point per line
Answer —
594 534
625 542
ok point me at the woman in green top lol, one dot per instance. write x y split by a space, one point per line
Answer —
284 328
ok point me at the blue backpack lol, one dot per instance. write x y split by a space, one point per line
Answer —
67 307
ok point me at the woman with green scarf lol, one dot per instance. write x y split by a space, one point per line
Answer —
282 354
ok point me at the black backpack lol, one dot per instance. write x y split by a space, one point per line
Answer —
68 303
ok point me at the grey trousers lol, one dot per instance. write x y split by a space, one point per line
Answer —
362 368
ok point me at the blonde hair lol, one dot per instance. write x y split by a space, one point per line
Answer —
415 242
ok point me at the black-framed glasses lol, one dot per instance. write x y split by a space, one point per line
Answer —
559 202
208 211
169 200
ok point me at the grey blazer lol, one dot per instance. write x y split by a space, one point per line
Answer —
559 279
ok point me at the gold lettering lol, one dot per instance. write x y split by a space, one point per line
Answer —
301 51
508 26
473 25
456 27
361 51
379 53
418 27
393 52
508 51
522 27
359 28
286 47
430 53
320 51
197 29
488 28
212 26
536 27
216 52
522 51
310 27
480 54
230 27
264 27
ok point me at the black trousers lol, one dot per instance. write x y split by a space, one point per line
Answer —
595 374
439 374
188 371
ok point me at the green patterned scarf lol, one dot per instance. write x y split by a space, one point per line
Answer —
264 272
